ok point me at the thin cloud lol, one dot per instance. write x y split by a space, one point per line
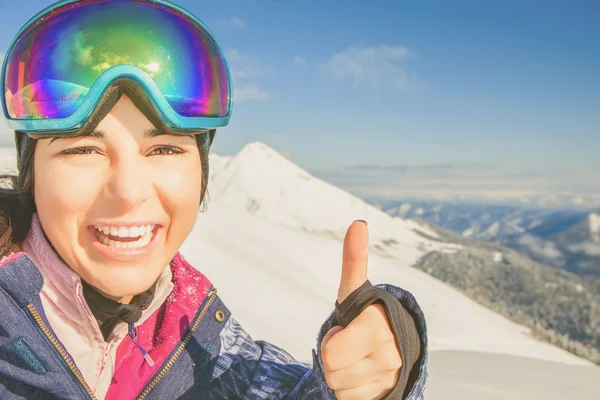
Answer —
460 181
234 22
245 69
401 168
379 168
299 61
243 66
247 92
371 66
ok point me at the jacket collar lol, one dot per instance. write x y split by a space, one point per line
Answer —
64 285
20 278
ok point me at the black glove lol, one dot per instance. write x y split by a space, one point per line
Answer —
403 326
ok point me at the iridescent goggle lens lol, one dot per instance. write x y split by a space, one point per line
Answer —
58 67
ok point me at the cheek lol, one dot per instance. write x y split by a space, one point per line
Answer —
183 184
63 195
63 191
180 190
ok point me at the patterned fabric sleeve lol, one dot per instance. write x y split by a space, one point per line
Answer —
248 369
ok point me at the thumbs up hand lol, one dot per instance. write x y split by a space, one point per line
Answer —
362 360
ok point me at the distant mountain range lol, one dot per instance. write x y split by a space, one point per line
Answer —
567 239
560 307
571 242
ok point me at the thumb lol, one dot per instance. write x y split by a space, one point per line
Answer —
354 260
331 333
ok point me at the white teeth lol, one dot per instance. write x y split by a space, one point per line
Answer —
123 231
142 232
134 231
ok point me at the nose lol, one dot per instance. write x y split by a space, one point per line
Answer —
128 184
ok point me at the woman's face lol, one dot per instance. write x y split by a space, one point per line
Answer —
118 204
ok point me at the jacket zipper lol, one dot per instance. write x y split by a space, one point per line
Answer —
60 349
132 335
179 350
77 373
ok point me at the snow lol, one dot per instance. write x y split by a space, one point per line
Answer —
591 249
534 223
217 162
8 161
460 375
263 243
540 246
492 230
260 181
281 283
594 222
404 209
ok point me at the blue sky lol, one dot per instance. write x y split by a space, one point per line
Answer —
505 88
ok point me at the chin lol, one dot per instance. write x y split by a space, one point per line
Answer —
123 282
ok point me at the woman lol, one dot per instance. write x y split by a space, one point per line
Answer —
115 105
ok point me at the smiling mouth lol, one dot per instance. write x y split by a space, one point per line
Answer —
135 237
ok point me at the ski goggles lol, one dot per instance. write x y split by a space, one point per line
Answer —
61 62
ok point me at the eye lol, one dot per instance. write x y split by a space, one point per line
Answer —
86 150
166 151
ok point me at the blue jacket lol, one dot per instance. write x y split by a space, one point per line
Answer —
213 359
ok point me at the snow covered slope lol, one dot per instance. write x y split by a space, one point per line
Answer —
261 181
270 241
281 284
8 161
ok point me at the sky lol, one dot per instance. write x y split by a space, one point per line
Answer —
378 96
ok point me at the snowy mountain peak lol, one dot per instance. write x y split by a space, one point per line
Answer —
259 151
258 156
261 181
259 148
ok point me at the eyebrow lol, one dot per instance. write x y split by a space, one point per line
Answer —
150 133
95 133
154 132
100 134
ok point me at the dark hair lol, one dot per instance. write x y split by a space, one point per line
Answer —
17 204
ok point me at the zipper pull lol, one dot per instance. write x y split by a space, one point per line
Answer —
133 334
